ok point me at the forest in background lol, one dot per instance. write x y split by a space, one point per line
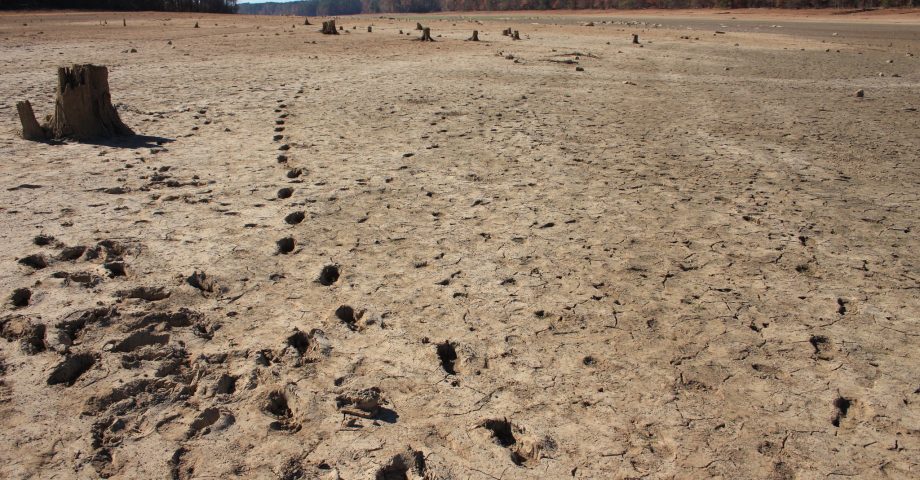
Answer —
206 6
347 7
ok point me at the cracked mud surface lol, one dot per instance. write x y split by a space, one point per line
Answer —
363 256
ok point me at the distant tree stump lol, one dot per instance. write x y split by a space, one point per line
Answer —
369 29
418 26
426 35
506 32
516 35
83 107
124 23
329 28
196 25
31 130
635 39
475 37
306 21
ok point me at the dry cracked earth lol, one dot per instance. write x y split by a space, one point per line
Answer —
362 256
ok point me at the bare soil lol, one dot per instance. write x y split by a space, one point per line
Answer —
364 256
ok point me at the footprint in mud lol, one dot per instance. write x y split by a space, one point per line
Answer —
210 419
70 254
21 297
43 240
365 403
448 356
31 336
202 282
69 370
822 346
276 405
349 316
150 294
35 261
294 218
140 339
285 245
115 269
525 449
328 275
399 467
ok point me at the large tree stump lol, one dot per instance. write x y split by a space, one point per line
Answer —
426 35
329 28
475 37
83 107
31 130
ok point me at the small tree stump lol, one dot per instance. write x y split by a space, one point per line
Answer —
83 107
329 28
506 32
196 25
369 29
124 23
635 39
516 35
418 26
475 37
31 130
306 21
426 35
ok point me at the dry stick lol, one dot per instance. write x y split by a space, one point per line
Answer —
31 130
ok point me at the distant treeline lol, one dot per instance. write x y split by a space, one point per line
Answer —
347 7
206 6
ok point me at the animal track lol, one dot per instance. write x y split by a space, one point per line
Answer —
20 297
150 294
69 370
448 356
276 405
294 218
36 261
328 275
285 245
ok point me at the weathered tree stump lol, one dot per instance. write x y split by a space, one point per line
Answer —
506 32
31 130
196 25
635 39
329 28
426 35
82 110
516 35
418 26
369 29
306 21
475 37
